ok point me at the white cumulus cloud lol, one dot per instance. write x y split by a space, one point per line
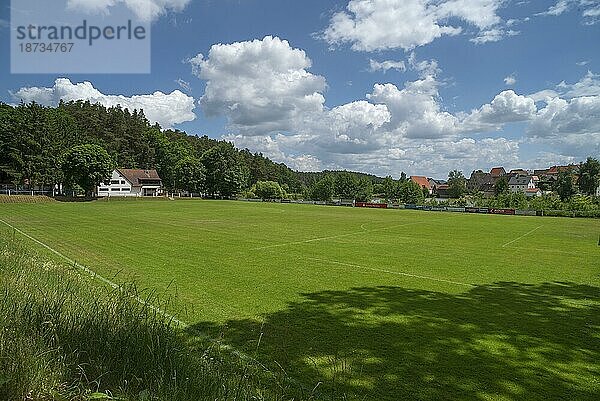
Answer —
281 148
370 25
415 109
375 65
166 109
351 127
561 117
510 80
147 10
506 107
276 106
261 86
589 85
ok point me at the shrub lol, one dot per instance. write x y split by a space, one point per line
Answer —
268 190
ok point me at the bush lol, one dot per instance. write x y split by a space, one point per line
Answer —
268 190
248 194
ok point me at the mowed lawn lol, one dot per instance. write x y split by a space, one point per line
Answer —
372 304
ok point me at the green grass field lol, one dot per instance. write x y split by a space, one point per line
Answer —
372 304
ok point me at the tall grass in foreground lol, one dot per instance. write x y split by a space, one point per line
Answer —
64 337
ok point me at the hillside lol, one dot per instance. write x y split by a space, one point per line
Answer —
34 138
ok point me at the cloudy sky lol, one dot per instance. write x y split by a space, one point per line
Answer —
381 86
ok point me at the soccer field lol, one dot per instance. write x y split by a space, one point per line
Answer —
376 304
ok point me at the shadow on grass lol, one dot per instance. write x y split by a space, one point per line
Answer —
505 341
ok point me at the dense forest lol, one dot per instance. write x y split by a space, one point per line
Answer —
34 141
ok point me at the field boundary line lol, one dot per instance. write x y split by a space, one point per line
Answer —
522 236
364 231
182 324
393 272
97 276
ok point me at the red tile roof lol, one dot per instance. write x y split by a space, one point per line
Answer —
497 171
558 169
422 181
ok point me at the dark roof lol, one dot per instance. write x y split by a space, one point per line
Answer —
433 182
137 177
481 182
519 180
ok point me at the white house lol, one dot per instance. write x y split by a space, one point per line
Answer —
521 183
131 182
598 191
533 192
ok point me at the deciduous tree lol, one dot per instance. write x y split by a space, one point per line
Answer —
565 186
346 185
501 187
390 188
190 174
364 191
411 193
322 190
589 176
225 174
457 184
87 166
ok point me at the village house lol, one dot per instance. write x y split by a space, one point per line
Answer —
518 171
435 185
423 183
533 192
131 182
521 183
442 191
482 182
548 177
497 172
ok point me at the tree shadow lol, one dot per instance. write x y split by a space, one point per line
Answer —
504 341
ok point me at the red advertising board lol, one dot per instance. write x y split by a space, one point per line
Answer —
502 211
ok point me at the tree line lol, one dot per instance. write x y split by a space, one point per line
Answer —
42 146
77 142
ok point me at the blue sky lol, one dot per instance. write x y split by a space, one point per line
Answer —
382 86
